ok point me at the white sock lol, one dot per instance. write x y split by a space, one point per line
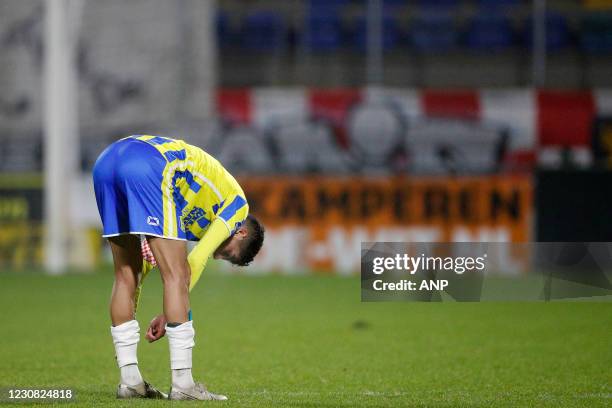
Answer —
182 378
130 375
181 342
125 338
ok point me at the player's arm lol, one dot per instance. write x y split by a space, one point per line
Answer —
229 218
214 236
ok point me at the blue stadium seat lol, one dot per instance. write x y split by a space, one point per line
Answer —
433 33
499 3
263 31
557 32
438 3
490 31
596 34
225 35
391 33
323 31
436 6
317 4
388 4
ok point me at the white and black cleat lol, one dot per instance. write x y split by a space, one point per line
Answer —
197 392
142 390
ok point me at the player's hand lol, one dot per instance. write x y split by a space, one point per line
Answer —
157 329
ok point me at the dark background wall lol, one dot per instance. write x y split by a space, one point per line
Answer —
574 205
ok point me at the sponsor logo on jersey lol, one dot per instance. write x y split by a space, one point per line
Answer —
195 214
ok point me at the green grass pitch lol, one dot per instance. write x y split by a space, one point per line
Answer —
309 342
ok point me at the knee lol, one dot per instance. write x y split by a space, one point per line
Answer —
125 276
177 275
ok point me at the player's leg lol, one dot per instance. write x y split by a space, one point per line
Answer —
171 257
118 204
125 329
127 260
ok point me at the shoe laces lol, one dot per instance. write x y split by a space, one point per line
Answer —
201 387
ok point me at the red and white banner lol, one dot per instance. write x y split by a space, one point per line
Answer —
538 119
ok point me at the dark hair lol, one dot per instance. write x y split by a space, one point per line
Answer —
252 243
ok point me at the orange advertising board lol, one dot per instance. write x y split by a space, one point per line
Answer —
319 222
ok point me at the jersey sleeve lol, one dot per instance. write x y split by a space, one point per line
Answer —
233 212
198 257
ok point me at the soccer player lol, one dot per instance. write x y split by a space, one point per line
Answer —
167 192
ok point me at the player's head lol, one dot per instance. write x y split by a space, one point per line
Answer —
241 248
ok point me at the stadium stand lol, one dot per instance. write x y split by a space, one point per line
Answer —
596 33
438 4
225 37
323 31
499 3
433 33
558 35
490 31
326 4
391 35
264 31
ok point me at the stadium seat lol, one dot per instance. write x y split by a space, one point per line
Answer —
489 31
390 4
391 34
437 4
557 32
263 31
596 33
318 4
433 33
226 36
387 4
499 3
323 31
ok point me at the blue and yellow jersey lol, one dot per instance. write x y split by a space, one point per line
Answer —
196 190
162 187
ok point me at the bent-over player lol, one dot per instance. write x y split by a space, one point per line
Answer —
167 192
